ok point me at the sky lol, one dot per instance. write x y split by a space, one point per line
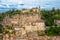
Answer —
20 4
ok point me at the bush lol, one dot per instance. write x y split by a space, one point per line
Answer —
41 33
53 31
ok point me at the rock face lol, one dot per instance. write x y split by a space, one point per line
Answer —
23 24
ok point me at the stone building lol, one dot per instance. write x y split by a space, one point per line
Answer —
33 10
23 24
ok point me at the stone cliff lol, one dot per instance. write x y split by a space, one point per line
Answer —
27 22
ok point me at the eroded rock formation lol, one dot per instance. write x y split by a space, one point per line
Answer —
25 23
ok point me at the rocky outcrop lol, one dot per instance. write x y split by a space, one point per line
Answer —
23 24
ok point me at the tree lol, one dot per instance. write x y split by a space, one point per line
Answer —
53 31
48 17
1 28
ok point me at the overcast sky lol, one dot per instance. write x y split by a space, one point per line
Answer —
45 4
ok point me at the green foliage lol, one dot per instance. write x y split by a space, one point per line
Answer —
41 33
53 31
48 17
57 16
49 22
13 12
1 16
1 28
9 27
6 31
10 13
